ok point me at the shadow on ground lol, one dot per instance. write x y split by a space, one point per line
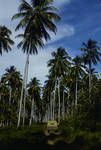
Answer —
38 141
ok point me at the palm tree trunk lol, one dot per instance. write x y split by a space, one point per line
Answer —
20 105
49 113
63 106
58 100
10 95
22 92
54 102
89 81
32 112
51 106
25 87
76 90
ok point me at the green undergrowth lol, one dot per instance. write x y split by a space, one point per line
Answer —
8 134
85 139
35 136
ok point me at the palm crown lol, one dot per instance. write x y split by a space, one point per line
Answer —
91 52
37 18
5 40
60 62
12 77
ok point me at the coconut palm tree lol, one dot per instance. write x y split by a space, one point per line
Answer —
34 92
77 70
64 93
91 56
38 19
58 67
5 40
29 44
37 16
12 79
48 97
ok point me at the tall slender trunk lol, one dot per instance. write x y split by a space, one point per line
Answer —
10 94
48 108
51 106
89 80
54 102
53 109
76 90
25 87
22 91
63 106
59 100
32 112
48 114
20 105
35 113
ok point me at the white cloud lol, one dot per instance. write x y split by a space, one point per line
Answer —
63 30
60 3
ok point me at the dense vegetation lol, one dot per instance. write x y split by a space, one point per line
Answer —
26 138
65 95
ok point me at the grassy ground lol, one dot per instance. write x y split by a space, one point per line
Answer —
34 138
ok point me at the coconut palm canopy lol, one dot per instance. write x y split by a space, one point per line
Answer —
37 18
5 39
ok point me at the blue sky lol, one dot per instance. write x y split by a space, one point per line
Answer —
80 20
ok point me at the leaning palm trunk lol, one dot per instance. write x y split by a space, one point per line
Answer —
58 100
32 112
22 91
